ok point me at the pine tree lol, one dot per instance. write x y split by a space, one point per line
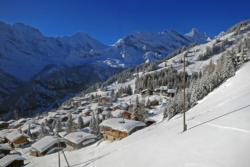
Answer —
29 132
139 113
94 123
80 122
43 130
58 126
70 125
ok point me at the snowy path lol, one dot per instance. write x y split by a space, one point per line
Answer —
218 135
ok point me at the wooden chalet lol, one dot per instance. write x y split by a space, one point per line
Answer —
147 92
76 140
47 145
104 100
12 160
4 125
4 149
118 128
16 138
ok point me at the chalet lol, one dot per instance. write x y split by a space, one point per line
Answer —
47 145
4 125
76 140
147 92
12 160
104 100
87 112
127 114
17 124
4 149
34 129
171 92
3 134
16 138
149 121
118 128
67 107
162 89
165 91
117 113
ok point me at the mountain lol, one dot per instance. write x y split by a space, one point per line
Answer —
27 57
196 36
25 51
143 47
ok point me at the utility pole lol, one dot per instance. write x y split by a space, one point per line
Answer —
59 158
184 93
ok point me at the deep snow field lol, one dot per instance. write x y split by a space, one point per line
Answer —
218 135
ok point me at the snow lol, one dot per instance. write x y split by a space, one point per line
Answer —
5 146
79 137
218 135
14 135
8 159
44 143
120 124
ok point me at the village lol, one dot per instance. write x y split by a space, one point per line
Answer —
81 121
117 110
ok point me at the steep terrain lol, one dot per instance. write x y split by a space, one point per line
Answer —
65 63
218 135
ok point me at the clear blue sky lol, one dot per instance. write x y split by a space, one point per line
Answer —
109 20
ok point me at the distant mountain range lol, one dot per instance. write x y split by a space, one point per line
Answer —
36 70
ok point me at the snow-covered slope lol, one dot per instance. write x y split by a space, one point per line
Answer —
218 135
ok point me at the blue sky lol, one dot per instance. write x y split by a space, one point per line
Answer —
109 20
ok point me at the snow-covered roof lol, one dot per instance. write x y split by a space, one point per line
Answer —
45 143
79 137
121 124
14 135
117 113
5 146
171 90
4 132
8 159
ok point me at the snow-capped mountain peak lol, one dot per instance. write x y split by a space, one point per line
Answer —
196 36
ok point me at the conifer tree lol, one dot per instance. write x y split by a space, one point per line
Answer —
80 122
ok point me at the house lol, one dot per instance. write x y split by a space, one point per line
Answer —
16 138
76 140
4 149
118 128
166 91
17 124
161 89
34 129
117 113
147 92
3 134
171 92
47 145
12 160
127 114
104 100
4 125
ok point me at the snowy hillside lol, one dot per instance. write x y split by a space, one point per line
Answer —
218 135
